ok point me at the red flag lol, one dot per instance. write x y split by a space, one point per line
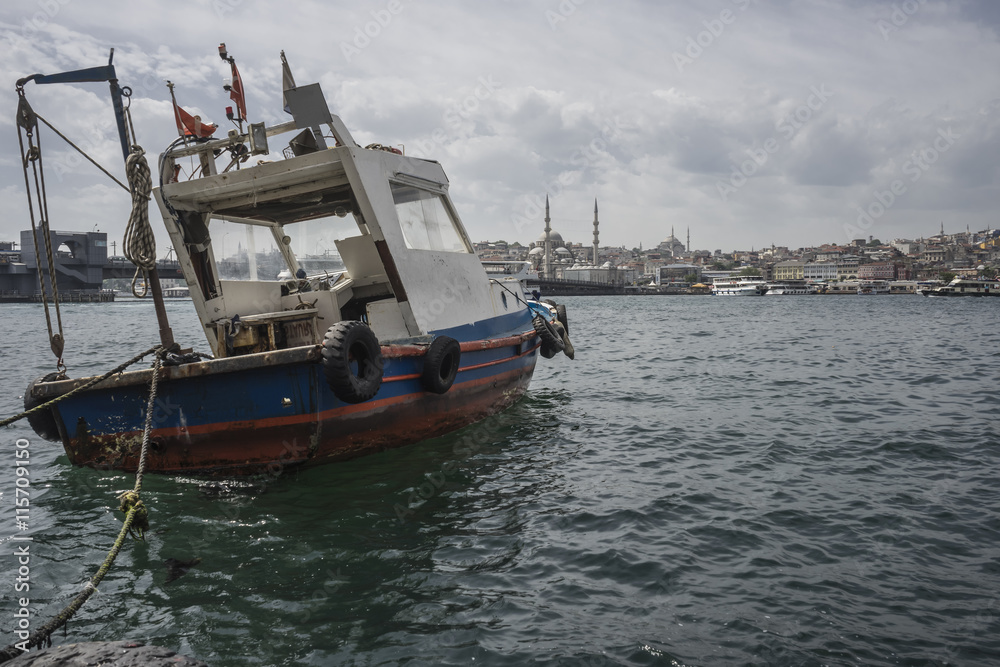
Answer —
236 91
188 125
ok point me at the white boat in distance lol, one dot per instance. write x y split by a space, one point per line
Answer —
791 287
965 287
740 286
872 287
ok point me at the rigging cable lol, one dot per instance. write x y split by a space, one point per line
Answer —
27 121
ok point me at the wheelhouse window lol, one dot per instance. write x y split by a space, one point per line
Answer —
426 221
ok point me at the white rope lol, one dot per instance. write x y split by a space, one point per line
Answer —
139 244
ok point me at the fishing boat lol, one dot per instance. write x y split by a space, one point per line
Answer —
964 287
411 340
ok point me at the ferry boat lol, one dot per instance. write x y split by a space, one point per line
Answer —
964 287
791 287
873 287
412 340
740 286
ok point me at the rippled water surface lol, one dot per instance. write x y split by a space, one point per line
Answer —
774 481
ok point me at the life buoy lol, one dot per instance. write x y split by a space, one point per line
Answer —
552 343
352 361
42 422
441 364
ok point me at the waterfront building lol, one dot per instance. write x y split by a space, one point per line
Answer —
847 267
819 271
877 271
792 269
672 274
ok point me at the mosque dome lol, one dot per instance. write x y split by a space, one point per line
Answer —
534 252
554 236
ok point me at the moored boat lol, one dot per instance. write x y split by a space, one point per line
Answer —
873 287
964 287
740 286
411 340
790 288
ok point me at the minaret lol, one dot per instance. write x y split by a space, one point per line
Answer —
673 238
595 231
548 241
689 240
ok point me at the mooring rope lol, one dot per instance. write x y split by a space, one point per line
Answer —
139 244
136 523
88 385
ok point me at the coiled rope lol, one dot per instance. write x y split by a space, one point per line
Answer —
136 523
139 244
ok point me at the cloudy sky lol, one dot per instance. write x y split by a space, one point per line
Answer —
751 122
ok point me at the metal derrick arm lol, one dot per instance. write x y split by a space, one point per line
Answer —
93 74
135 166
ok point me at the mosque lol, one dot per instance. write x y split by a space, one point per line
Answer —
672 246
552 257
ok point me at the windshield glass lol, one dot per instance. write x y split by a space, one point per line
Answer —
314 241
246 252
426 221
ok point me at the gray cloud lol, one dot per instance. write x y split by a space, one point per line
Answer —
589 102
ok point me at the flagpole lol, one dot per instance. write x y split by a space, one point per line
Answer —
177 122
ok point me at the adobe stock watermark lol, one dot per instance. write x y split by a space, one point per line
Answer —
915 167
371 30
223 7
21 573
47 10
483 433
714 29
787 128
565 9
900 15
453 117
584 156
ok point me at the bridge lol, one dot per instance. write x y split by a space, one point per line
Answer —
558 287
119 267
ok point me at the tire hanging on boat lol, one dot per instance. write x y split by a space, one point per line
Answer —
562 317
441 364
43 423
552 343
352 361
568 348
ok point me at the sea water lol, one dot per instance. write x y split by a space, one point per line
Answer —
807 480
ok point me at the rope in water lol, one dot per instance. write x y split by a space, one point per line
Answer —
136 523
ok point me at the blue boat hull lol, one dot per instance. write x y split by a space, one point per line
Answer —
261 413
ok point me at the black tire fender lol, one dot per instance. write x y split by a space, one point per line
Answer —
562 317
43 422
441 364
352 361
552 342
